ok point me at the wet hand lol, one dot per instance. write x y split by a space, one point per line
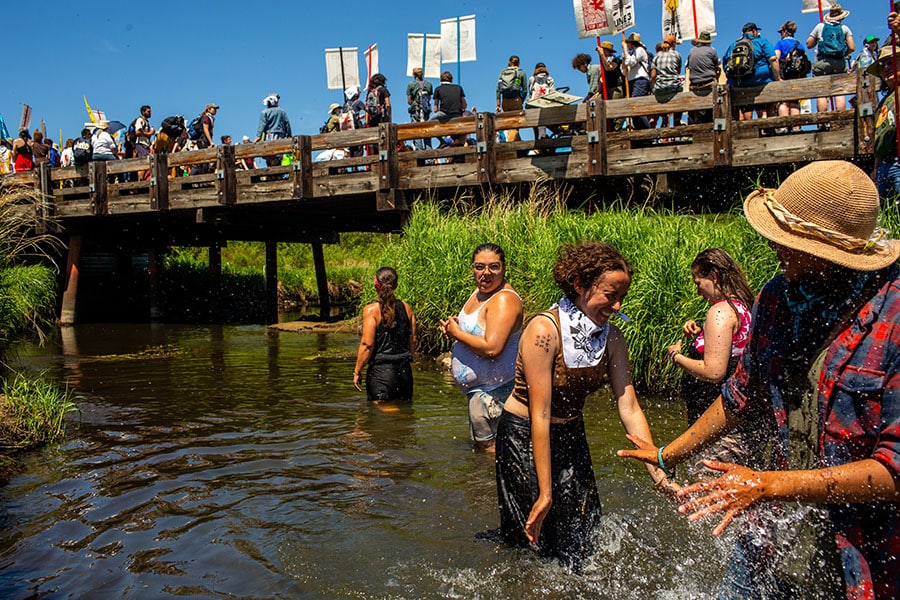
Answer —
356 381
691 328
536 519
674 348
668 488
645 450
732 493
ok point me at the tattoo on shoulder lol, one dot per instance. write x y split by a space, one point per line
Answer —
542 342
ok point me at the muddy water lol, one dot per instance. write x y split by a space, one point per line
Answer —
234 462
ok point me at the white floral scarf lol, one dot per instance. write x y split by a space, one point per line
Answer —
583 341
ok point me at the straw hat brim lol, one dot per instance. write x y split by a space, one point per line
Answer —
844 14
762 220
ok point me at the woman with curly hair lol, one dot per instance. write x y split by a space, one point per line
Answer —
545 480
387 344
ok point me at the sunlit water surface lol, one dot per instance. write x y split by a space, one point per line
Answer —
235 462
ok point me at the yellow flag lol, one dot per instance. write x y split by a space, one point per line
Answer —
90 112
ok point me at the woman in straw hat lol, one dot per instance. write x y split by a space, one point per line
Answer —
832 318
833 42
887 164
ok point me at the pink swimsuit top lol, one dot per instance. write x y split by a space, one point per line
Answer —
739 341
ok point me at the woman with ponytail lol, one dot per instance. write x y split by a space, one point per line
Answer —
387 344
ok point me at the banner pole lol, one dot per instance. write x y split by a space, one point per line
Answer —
896 89
602 68
458 52
424 50
343 79
625 68
694 9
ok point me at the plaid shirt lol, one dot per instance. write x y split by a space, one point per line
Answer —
859 418
668 68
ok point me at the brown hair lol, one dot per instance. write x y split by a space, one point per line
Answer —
585 264
729 277
38 136
540 68
386 285
447 76
581 60
417 72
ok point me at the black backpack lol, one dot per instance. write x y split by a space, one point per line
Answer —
173 126
82 151
374 108
795 64
741 63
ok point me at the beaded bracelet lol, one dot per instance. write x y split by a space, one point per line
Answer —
672 357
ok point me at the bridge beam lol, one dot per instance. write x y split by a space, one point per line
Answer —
67 312
271 282
321 280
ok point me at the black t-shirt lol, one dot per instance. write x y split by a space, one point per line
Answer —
449 97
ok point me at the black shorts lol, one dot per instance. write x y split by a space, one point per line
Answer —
389 381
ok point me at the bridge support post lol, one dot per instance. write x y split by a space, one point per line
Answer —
722 127
388 167
866 102
67 312
215 280
226 179
98 186
271 282
484 144
159 181
596 131
321 280
302 165
154 272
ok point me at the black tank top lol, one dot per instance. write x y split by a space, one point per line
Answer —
392 343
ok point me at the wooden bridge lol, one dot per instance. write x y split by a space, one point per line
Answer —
312 202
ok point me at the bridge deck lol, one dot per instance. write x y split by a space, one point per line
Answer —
371 192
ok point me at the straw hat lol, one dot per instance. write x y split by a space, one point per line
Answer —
608 46
885 54
634 38
334 105
103 125
827 209
837 13
705 38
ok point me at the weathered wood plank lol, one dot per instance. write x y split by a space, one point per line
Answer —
795 89
659 159
484 148
801 147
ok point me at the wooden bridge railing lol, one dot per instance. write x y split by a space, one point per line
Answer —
581 147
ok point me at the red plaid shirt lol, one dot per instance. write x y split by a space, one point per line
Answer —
859 418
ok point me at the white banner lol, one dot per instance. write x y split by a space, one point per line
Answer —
458 39
812 6
371 57
603 17
341 67
423 51
686 19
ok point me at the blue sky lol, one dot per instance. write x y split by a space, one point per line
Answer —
177 56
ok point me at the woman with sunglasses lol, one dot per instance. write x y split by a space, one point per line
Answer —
486 337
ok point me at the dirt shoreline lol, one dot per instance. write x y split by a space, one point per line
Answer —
345 326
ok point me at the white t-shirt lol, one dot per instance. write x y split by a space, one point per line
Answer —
638 63
103 143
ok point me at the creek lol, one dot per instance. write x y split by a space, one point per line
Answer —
220 462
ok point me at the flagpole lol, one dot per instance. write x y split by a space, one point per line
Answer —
343 79
458 52
694 8
424 50
602 68
625 69
896 89
821 14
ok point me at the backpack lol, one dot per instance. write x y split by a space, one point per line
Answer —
374 108
324 127
510 83
53 157
172 126
421 101
195 128
833 43
741 63
795 64
131 133
82 151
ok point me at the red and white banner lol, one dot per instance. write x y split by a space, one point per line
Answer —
814 6
371 55
603 17
686 19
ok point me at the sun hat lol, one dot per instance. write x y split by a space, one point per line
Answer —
608 46
828 209
634 38
837 13
103 125
351 92
704 38
333 106
212 105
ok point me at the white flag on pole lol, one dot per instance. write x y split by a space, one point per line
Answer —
342 67
458 39
812 6
603 17
371 56
686 19
423 51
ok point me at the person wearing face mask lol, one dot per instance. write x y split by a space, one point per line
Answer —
546 488
485 335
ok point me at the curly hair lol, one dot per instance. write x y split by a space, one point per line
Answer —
585 264
378 80
386 284
581 60
728 274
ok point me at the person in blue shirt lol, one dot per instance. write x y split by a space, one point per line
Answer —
766 68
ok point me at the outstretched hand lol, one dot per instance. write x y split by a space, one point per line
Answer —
536 519
645 451
732 493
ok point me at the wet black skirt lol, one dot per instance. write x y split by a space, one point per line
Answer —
567 532
389 381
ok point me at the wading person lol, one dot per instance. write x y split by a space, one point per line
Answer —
486 335
716 346
387 344
821 378
545 481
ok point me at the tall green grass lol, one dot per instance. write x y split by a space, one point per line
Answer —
32 411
